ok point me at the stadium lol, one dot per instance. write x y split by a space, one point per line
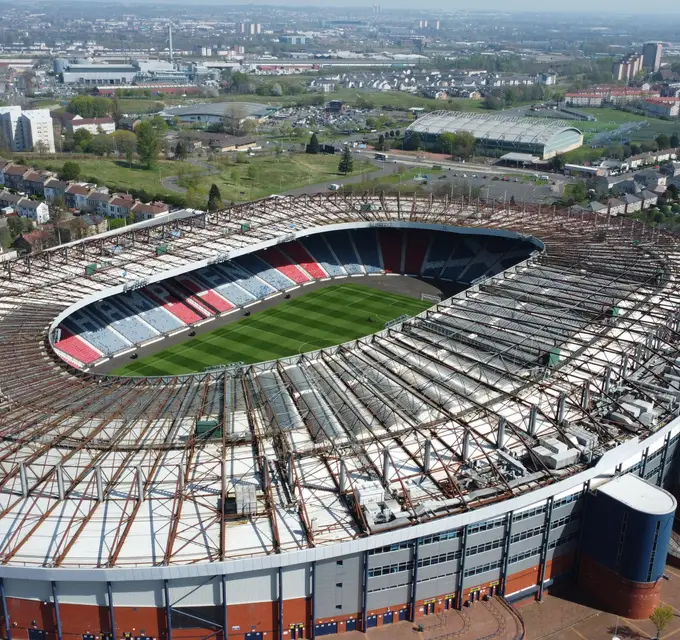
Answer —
520 431
542 137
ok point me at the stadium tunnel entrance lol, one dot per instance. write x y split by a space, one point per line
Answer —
420 261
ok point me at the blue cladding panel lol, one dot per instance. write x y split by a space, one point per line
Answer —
626 540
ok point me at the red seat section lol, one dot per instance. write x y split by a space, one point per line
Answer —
210 296
171 303
276 259
76 347
391 241
298 253
417 242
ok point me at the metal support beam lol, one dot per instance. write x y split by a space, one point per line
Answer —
414 579
57 613
643 468
364 593
5 612
544 547
280 594
168 610
312 576
506 549
461 581
664 457
225 619
112 617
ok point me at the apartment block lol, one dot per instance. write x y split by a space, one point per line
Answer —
29 130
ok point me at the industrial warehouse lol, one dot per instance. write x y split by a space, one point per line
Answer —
520 432
542 137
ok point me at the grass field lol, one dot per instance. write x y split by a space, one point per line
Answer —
319 319
269 174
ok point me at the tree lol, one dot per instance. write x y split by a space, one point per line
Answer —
78 228
101 145
253 172
82 139
346 164
40 147
557 163
465 144
125 142
365 103
413 142
116 223
69 171
181 151
313 146
381 143
675 140
661 618
90 106
148 143
574 193
214 198
663 141
447 142
234 118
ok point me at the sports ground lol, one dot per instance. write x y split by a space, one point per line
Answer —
316 320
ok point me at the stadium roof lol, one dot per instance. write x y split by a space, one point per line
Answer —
249 109
445 410
490 127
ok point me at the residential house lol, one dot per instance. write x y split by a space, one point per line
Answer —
649 198
616 207
626 186
77 227
596 207
33 210
129 124
95 223
93 125
33 241
55 189
8 199
670 169
633 203
34 182
14 176
650 178
3 164
120 206
149 211
218 141
76 196
98 201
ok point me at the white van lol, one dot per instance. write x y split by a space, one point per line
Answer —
334 187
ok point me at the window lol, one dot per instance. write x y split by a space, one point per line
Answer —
528 514
485 526
339 562
338 584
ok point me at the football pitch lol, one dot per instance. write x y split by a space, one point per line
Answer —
316 320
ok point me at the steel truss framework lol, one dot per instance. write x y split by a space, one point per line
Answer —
442 411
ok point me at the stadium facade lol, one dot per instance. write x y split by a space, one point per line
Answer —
543 137
524 430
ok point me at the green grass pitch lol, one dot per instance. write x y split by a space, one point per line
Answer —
319 319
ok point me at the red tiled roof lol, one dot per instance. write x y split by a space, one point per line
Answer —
78 190
15 170
77 123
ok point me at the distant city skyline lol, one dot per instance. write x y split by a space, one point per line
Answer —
621 7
